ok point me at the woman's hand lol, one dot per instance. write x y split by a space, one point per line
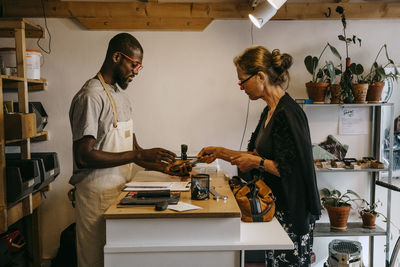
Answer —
246 162
208 154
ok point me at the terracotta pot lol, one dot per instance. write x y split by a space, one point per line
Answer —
375 92
338 216
368 219
360 92
316 91
336 92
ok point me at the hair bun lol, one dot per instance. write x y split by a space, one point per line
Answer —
281 62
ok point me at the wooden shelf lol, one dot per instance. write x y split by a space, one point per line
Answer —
10 83
43 136
353 229
8 27
22 208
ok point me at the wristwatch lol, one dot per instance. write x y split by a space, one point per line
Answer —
261 166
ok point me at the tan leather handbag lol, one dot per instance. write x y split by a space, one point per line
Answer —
255 199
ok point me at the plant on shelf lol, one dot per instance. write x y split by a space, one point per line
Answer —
360 85
368 212
322 75
377 76
347 76
338 206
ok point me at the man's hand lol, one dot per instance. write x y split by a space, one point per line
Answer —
246 162
179 168
208 154
156 155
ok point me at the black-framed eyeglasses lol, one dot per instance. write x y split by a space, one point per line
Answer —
240 83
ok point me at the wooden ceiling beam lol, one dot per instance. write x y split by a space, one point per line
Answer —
290 11
111 15
154 23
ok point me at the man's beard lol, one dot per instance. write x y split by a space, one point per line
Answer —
120 79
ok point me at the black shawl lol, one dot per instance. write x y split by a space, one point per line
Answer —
295 164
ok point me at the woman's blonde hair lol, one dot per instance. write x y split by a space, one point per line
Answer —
274 64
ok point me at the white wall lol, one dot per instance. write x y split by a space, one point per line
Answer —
188 93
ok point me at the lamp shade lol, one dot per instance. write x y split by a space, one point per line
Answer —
263 13
277 3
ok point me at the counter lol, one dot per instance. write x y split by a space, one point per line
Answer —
211 236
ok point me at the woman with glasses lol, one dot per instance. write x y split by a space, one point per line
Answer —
279 151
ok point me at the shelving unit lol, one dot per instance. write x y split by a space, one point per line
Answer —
27 207
354 228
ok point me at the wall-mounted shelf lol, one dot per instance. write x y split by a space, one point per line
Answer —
43 136
353 229
9 26
10 83
347 105
351 170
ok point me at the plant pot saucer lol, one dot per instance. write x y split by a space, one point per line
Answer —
362 102
369 226
374 102
338 229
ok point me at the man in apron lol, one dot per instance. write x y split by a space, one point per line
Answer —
104 145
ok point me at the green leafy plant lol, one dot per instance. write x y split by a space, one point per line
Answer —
325 73
347 77
367 207
371 208
357 70
336 199
343 37
377 72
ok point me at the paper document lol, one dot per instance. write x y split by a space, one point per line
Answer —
164 185
182 206
147 186
353 121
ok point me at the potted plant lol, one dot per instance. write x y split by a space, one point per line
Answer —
322 76
347 77
368 214
338 206
377 76
360 86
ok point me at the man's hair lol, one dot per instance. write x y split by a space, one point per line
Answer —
123 42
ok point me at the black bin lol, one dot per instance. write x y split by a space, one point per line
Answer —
49 167
22 176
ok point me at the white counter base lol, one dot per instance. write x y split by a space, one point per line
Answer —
205 249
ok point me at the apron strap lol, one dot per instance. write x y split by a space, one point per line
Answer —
109 97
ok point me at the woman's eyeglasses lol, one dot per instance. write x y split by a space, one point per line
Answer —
240 83
136 65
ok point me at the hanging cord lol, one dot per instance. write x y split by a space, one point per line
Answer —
45 23
248 102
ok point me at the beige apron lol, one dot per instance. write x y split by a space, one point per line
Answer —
98 190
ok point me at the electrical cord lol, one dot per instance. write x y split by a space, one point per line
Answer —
248 101
45 23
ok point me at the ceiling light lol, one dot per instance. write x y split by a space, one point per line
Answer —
265 11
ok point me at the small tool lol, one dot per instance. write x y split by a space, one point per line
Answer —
184 149
216 194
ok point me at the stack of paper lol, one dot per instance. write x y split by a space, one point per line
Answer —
148 186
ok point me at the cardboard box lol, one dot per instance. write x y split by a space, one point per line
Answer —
19 125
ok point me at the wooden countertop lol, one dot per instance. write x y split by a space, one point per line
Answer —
209 208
